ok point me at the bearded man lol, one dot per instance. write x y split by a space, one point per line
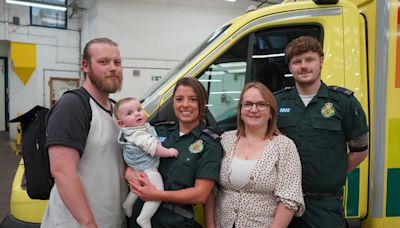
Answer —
85 157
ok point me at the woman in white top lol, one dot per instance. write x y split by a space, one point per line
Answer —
260 178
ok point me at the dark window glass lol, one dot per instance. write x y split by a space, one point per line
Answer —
258 56
268 63
223 80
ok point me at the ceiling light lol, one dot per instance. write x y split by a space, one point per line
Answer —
40 5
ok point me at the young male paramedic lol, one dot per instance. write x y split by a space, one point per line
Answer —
85 157
323 121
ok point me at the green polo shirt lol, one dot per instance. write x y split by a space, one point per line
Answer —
200 154
321 131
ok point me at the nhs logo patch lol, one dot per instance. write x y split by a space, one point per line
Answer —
284 110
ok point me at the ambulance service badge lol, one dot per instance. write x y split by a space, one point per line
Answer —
328 110
196 147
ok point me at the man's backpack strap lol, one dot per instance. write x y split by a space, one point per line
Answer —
85 98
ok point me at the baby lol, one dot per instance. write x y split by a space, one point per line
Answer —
141 150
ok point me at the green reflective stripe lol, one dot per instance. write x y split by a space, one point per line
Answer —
393 196
353 192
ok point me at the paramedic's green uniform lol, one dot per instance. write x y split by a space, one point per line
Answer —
321 131
199 157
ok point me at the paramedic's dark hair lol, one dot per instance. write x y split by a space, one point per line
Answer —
200 92
301 45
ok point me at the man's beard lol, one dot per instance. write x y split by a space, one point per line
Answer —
105 85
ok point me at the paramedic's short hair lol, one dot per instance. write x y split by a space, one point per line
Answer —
301 45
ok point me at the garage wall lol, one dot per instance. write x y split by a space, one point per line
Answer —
57 55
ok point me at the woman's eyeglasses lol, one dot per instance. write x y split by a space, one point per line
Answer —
261 106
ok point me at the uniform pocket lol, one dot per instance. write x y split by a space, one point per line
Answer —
286 122
327 133
182 171
189 159
327 124
334 206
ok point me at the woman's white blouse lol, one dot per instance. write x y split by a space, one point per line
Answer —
241 170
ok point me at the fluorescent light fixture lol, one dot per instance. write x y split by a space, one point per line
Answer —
232 65
288 75
230 0
268 56
40 5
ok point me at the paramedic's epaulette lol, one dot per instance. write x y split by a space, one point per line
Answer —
211 133
165 122
283 90
341 90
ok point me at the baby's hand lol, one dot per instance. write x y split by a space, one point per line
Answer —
173 152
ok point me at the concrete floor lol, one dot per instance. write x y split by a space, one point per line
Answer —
8 166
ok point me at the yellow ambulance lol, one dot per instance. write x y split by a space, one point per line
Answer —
361 42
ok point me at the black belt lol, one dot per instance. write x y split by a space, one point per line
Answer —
179 209
315 194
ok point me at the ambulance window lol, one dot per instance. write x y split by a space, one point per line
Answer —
223 80
268 63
